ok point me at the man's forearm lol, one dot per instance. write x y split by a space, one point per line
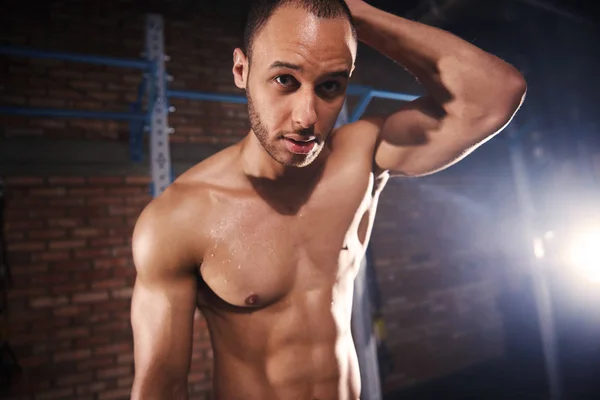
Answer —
447 66
158 389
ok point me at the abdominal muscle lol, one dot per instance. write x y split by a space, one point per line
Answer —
295 372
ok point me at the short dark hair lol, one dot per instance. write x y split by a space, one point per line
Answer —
261 10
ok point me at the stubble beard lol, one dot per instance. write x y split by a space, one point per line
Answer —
278 153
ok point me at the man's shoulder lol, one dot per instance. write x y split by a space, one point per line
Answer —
358 134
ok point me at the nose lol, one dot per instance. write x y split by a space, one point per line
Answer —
304 115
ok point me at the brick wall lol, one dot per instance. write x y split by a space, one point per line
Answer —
68 236
200 49
68 242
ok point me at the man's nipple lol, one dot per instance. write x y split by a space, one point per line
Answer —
252 300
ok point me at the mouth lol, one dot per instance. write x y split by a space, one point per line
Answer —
300 146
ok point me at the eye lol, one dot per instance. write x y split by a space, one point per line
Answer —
330 86
285 80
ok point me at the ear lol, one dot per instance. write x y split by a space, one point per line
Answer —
240 68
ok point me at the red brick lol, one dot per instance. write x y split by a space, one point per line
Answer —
51 256
41 302
115 305
24 225
26 246
34 361
126 190
23 181
71 332
105 200
108 284
117 327
138 180
90 388
66 244
91 253
93 341
91 297
121 231
71 379
22 132
47 213
50 279
27 268
14 237
121 251
87 232
66 180
26 203
16 215
113 372
88 191
72 266
47 234
95 363
69 311
125 293
66 202
55 394
138 200
111 263
121 348
123 210
106 221
125 382
27 292
107 242
27 339
48 123
48 192
123 394
106 180
81 354
65 222
125 358
88 211
125 272
85 85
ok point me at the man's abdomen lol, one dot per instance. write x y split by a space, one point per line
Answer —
318 371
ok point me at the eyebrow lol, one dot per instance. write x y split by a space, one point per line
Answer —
344 73
283 64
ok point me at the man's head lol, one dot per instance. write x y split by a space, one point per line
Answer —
298 57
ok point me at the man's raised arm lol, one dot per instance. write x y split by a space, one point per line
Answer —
471 94
163 306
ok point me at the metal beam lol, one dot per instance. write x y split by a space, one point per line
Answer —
65 113
82 58
160 155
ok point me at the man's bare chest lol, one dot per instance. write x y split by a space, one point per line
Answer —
256 255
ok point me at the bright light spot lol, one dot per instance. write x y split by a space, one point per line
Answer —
538 248
584 254
549 235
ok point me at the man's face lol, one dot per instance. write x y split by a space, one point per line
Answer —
297 85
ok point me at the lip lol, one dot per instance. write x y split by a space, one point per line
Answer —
299 147
300 138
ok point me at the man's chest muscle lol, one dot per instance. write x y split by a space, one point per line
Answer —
258 256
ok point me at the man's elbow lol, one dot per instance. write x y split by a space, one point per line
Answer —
506 105
516 90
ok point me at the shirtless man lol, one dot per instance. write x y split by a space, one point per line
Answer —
266 236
